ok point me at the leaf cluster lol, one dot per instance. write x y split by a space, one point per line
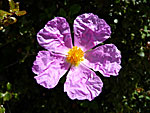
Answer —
7 18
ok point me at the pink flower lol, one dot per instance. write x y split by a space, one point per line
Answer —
81 82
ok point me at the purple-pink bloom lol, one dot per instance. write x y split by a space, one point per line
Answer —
81 82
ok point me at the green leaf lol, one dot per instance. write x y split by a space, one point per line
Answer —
4 14
14 7
147 98
144 1
117 1
145 29
62 12
1 95
11 5
141 96
2 109
16 95
74 9
141 54
133 2
20 13
143 35
7 96
8 86
17 6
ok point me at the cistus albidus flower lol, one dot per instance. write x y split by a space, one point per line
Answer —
81 82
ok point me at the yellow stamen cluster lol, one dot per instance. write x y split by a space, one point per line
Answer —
75 56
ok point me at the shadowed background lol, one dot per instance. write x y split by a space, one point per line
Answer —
129 92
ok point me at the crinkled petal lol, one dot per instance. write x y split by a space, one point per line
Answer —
49 67
55 36
106 59
90 30
82 83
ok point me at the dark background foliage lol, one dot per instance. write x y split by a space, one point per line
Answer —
129 92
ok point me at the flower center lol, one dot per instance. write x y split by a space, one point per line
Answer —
75 56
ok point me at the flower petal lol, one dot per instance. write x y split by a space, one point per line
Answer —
82 83
89 30
105 58
55 36
50 68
